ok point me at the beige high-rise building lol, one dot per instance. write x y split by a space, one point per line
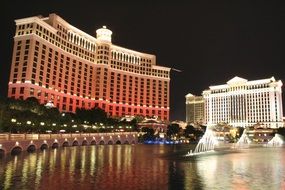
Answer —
55 61
194 109
245 103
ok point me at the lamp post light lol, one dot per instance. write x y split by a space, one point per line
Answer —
28 128
13 120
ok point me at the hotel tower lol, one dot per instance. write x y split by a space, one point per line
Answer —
245 103
194 109
56 62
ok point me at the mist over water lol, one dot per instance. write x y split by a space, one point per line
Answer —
143 167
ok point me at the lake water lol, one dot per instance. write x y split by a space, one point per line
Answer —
143 167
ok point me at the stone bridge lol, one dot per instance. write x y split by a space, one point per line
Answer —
15 143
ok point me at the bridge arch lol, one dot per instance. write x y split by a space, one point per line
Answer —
16 150
110 142
55 145
133 142
93 142
65 144
126 142
44 146
118 142
84 143
31 148
102 142
75 143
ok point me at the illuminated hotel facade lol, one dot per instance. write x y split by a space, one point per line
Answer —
54 61
194 109
245 103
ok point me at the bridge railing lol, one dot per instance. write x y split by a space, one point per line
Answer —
26 136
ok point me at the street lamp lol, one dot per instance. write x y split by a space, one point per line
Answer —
13 120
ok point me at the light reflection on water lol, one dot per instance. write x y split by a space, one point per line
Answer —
143 167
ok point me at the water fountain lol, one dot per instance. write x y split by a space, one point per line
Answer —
243 141
206 143
276 141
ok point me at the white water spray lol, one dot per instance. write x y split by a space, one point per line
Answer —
206 143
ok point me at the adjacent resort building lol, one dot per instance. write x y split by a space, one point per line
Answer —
244 103
56 62
194 109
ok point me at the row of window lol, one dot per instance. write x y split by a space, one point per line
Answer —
57 71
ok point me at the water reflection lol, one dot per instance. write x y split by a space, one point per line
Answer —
143 167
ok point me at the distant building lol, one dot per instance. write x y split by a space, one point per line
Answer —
194 109
55 61
245 103
260 134
182 124
154 123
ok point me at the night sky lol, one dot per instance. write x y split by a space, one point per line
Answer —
210 41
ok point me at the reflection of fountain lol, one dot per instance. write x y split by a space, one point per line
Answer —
243 140
206 143
277 140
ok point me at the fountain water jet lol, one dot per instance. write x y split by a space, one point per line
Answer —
243 141
206 143
276 141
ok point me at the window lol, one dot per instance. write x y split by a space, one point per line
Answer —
22 90
13 90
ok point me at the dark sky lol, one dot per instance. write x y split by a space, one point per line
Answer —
210 41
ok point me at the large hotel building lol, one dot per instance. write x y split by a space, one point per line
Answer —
194 109
54 61
245 103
